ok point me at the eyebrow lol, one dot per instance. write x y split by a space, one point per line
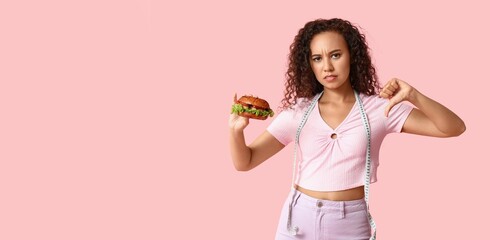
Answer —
335 50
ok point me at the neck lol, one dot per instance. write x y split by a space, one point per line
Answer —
339 95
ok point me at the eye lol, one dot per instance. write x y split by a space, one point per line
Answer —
316 59
336 55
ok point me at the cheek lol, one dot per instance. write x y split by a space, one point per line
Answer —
346 66
315 68
318 72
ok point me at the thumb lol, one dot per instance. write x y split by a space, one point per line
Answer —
388 108
393 101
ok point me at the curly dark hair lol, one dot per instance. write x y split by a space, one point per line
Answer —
300 79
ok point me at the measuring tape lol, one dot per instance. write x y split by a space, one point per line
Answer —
294 230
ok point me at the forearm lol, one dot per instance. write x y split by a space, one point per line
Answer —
240 152
444 119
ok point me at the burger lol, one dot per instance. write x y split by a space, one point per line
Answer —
252 107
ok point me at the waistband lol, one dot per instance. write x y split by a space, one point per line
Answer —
304 200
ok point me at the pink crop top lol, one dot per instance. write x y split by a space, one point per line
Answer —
327 164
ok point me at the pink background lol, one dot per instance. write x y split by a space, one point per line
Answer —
113 117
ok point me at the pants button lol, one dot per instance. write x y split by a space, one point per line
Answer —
319 204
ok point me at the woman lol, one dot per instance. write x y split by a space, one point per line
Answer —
337 116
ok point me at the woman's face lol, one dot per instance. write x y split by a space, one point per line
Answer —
330 59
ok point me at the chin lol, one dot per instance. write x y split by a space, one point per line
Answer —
336 85
332 86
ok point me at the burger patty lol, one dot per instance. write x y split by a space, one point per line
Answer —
251 106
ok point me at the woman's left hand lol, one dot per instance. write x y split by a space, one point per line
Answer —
397 91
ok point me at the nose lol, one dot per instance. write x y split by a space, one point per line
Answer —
327 65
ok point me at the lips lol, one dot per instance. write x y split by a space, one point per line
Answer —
330 78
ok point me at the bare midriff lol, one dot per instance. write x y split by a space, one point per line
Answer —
344 195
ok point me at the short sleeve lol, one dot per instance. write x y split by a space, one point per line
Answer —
397 116
283 126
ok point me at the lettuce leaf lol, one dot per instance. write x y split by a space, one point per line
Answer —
238 108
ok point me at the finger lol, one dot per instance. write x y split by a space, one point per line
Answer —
246 119
232 119
389 83
394 84
393 101
388 92
388 108
242 120
383 90
233 115
384 95
391 88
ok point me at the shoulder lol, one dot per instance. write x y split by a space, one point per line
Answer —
300 106
284 125
291 115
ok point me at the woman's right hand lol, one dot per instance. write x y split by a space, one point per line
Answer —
237 123
248 157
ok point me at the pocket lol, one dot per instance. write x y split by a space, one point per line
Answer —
301 216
